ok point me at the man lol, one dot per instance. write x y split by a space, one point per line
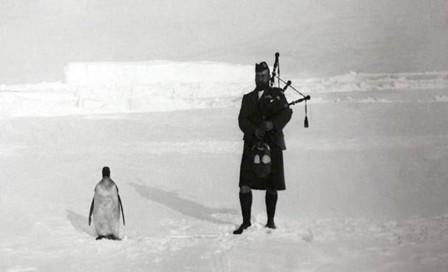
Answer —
263 115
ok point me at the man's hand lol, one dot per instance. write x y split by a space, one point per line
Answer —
259 133
267 126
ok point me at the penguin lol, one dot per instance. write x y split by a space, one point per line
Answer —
105 208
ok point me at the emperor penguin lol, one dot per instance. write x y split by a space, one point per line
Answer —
105 208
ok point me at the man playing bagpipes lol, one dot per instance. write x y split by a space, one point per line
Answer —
263 115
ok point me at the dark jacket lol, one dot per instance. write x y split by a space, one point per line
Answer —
254 111
272 106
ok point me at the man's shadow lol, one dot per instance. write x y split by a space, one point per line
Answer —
184 206
79 222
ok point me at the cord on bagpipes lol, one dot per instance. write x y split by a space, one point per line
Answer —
276 74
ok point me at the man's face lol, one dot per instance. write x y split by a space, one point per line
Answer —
262 79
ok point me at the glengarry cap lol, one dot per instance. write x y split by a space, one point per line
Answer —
260 67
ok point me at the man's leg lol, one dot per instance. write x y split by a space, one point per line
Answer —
271 203
246 206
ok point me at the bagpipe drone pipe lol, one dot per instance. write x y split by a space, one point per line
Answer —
276 75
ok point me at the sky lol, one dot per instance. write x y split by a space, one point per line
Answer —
314 38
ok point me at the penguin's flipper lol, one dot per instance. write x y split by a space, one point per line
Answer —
122 211
91 211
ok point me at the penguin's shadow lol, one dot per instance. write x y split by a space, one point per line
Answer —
79 222
184 206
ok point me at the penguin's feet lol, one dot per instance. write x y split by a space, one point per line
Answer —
242 228
110 237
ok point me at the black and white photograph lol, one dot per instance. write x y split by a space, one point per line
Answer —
224 135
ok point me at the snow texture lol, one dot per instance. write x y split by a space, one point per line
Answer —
152 89
366 183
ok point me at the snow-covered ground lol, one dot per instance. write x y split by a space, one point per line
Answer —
99 88
366 182
152 89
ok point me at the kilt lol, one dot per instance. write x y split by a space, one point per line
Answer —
275 180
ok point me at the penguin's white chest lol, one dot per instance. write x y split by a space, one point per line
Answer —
106 214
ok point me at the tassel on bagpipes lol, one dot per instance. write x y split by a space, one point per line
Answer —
276 74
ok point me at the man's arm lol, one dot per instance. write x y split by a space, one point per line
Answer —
280 120
244 122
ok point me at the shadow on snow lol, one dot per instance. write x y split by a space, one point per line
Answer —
79 222
184 206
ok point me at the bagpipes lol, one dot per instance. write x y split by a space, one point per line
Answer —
272 106
276 75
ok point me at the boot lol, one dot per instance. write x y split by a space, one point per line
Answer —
271 203
246 206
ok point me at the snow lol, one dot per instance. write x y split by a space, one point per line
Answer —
366 182
152 89
154 86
